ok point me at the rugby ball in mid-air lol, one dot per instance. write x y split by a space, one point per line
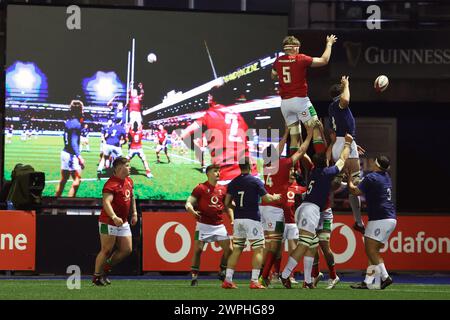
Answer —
151 58
381 83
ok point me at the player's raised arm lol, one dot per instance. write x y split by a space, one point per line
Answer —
344 100
282 143
271 197
352 188
323 60
304 146
141 90
345 152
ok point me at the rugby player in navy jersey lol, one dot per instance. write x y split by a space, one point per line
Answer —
246 191
85 138
71 161
343 122
308 214
377 188
115 136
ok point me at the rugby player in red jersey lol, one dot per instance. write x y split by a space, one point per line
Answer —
290 70
206 204
135 103
114 228
135 136
226 135
161 135
276 179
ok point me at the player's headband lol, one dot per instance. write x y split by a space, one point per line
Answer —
379 166
291 46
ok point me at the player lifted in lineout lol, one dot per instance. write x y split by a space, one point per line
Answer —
135 136
135 103
71 161
290 70
343 122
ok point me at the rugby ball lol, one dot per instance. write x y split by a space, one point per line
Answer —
381 83
151 58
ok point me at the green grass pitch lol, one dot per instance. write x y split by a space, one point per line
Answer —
208 290
173 181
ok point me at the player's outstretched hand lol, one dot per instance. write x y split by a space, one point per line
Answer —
140 85
276 196
81 161
348 138
344 81
361 150
118 221
331 39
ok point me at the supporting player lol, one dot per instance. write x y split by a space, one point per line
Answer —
199 150
114 229
161 135
308 214
85 138
135 136
115 138
246 191
72 163
343 122
206 204
290 70
276 180
104 133
377 188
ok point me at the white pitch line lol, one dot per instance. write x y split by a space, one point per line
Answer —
87 179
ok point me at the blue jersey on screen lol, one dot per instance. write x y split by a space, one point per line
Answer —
377 188
119 114
10 130
342 120
320 185
85 132
246 191
72 132
114 134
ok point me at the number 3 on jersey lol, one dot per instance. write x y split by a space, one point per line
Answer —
286 74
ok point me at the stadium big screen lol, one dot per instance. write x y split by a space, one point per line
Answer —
148 71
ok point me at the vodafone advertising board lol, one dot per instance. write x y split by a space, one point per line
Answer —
418 243
17 240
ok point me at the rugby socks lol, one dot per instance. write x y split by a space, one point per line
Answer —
194 272
308 265
319 145
315 269
332 272
355 203
268 264
255 275
290 266
384 273
276 265
229 275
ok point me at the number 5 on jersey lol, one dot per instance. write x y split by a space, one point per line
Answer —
286 74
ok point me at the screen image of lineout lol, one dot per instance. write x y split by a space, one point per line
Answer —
145 79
